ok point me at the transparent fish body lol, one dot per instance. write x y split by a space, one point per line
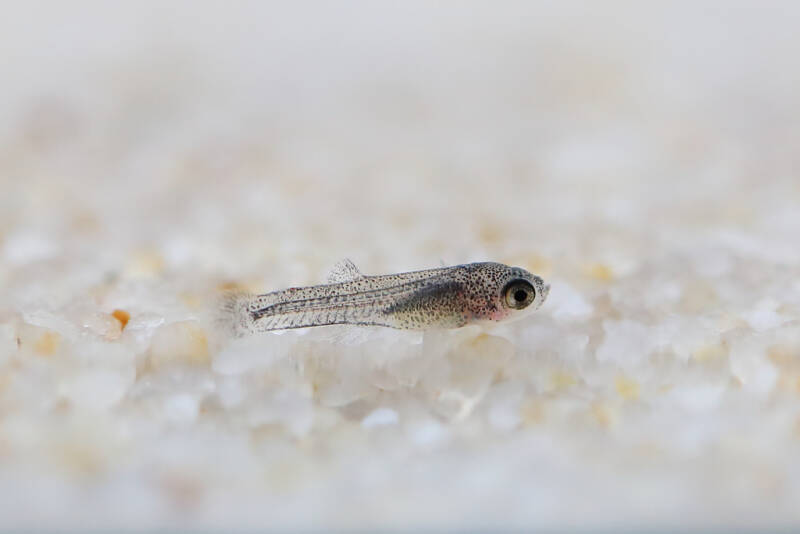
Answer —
446 297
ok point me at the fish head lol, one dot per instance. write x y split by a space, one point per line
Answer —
497 292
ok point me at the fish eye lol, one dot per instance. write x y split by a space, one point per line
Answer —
519 294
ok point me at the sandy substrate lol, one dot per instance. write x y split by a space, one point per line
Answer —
643 160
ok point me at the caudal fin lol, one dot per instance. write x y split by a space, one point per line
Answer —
232 314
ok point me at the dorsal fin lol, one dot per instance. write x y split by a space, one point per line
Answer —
344 271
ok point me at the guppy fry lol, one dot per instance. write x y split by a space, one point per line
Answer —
446 297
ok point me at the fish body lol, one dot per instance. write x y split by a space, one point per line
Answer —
446 297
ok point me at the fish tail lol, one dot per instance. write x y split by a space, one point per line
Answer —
233 315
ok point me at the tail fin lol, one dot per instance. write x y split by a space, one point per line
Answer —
232 314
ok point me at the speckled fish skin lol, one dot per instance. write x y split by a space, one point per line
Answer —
447 297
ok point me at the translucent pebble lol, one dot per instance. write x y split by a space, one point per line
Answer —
427 432
102 324
749 364
698 296
58 324
627 342
145 264
290 408
470 368
254 353
181 408
764 315
380 417
408 371
337 384
504 402
39 341
700 398
95 389
230 392
627 388
179 343
140 330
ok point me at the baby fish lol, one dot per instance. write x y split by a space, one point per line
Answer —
447 297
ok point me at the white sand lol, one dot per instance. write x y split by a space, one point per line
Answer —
643 160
